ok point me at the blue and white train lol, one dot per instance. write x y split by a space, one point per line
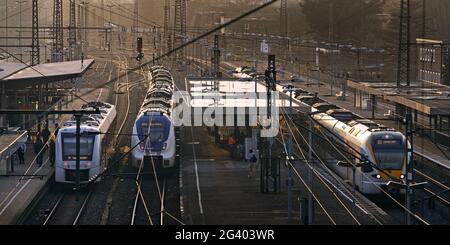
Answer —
154 138
94 142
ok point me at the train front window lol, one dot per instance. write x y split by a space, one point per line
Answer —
69 150
157 132
390 154
144 130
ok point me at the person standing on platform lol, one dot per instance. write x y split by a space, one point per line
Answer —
21 155
45 134
39 151
253 164
52 152
232 145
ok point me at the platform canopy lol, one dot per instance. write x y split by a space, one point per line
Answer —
428 98
7 68
16 74
229 95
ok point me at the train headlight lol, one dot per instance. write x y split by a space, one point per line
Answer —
66 165
402 176
164 147
378 176
142 146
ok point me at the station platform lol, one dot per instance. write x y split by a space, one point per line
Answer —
20 188
217 190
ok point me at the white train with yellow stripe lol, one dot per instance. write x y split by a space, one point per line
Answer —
384 147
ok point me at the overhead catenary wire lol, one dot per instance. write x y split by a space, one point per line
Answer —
318 175
308 187
168 53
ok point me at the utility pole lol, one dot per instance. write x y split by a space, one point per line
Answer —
109 42
102 23
424 19
35 50
180 27
310 176
72 23
404 66
20 30
58 42
6 22
78 136
80 38
284 27
85 13
85 25
177 26
268 166
72 28
135 23
167 32
409 156
183 26
216 63
102 3
290 159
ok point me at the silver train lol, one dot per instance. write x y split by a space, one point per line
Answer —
93 148
154 138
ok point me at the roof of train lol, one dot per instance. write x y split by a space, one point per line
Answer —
94 120
159 96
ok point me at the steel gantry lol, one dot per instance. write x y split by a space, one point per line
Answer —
167 32
180 26
72 23
35 52
58 44
404 65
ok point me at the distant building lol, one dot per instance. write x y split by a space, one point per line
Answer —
433 61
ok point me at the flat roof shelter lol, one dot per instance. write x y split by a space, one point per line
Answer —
15 75
238 108
26 87
425 98
230 96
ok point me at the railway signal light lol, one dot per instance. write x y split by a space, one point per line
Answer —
140 56
139 45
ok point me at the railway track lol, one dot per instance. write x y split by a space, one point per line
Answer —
119 139
152 189
435 190
66 209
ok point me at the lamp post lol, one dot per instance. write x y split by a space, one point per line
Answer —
20 29
6 22
84 42
109 43
290 160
